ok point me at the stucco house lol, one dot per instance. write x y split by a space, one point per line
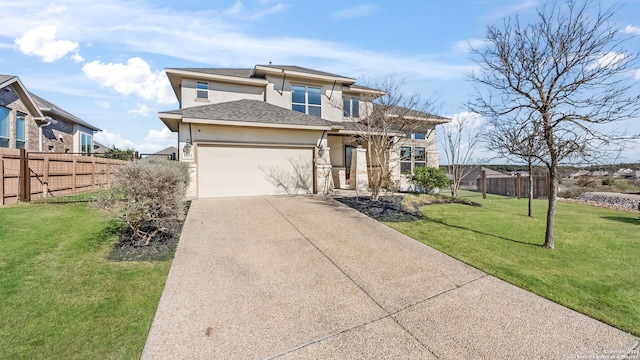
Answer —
30 122
276 129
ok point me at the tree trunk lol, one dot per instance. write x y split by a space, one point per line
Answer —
551 212
530 188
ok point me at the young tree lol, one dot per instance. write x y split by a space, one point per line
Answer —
519 140
566 75
385 118
459 140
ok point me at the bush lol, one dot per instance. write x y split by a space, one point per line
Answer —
153 192
429 178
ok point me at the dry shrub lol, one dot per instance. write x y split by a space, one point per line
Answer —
152 192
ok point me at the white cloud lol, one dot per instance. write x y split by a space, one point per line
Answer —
155 140
142 109
77 58
508 10
41 41
354 12
103 104
630 29
110 139
467 45
472 121
607 60
133 78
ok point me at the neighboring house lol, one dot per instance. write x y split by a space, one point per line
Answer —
170 153
473 173
279 129
98 148
30 122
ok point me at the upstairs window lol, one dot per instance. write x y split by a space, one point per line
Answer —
417 136
351 107
306 99
86 143
21 130
202 90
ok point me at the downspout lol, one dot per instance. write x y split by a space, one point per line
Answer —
48 121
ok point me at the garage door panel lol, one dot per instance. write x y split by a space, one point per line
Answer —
252 171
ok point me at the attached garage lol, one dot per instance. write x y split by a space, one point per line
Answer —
226 171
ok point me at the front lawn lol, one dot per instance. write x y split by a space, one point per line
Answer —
60 298
594 269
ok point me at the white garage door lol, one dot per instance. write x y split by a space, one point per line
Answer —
225 171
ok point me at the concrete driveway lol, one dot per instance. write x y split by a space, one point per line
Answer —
301 278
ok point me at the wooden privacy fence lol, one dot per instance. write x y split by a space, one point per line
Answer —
26 175
517 186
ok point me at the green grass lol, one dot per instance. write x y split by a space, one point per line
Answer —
594 269
59 297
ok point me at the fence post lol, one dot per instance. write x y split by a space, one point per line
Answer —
518 183
25 177
73 176
1 181
93 173
45 177
484 184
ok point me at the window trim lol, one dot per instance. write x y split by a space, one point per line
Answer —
86 147
6 124
306 103
412 159
350 101
21 143
204 91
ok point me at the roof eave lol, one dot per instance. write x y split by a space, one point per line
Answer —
259 70
254 124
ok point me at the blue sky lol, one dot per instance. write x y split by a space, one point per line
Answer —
103 61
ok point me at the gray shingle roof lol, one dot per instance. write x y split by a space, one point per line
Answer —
233 72
253 111
46 106
303 70
4 78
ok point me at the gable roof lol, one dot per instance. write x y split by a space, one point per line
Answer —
21 91
244 113
52 110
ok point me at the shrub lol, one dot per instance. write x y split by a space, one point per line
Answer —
153 192
429 178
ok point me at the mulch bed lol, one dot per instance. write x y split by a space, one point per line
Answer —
161 247
391 208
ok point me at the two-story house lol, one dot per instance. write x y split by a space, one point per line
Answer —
30 122
280 129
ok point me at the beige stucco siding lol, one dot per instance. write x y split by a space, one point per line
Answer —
219 92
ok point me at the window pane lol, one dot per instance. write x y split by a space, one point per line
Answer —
20 126
420 154
346 107
405 167
355 108
408 136
20 144
299 108
298 94
315 111
419 136
314 96
4 122
421 164
405 153
203 90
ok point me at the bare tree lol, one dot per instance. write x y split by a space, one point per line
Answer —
459 141
384 120
518 140
567 75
